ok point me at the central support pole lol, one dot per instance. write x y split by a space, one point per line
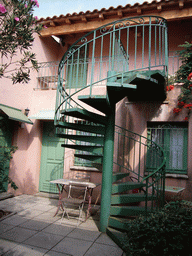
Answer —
107 171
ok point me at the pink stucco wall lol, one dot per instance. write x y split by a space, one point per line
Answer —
25 165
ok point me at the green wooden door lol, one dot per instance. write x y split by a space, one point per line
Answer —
52 159
6 131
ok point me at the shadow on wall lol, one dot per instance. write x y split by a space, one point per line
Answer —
25 184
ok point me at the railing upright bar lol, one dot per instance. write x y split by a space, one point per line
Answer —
101 59
149 43
93 62
128 47
143 46
135 47
159 45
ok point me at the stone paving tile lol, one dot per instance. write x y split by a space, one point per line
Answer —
47 217
5 227
44 240
58 229
35 224
52 253
29 213
43 207
103 250
17 234
90 225
105 239
88 235
25 250
14 220
73 246
6 245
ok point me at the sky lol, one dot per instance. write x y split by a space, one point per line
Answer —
49 8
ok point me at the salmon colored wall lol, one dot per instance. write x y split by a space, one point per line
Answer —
25 165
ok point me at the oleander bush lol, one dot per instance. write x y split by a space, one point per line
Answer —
167 232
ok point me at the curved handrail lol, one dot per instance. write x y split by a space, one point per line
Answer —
138 147
154 28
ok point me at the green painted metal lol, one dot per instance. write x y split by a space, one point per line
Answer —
97 129
92 139
118 176
128 210
82 147
129 198
85 114
118 223
115 76
122 187
107 171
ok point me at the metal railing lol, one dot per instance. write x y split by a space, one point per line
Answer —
130 155
138 44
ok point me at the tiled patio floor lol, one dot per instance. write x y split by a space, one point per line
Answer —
32 230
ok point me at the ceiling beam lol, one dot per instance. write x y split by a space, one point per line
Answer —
75 28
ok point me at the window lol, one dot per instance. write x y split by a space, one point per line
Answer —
172 137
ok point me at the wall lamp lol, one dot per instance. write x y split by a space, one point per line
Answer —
27 111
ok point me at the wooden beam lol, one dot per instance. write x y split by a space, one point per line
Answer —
181 4
120 14
159 8
84 19
68 21
139 11
81 28
101 16
52 23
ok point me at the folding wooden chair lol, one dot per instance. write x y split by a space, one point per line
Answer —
75 200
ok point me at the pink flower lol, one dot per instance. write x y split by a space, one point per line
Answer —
26 6
16 18
2 9
36 2
36 17
45 26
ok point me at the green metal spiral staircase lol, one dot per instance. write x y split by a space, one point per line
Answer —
127 58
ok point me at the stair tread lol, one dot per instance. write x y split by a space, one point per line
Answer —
92 139
98 102
117 236
119 175
85 115
98 129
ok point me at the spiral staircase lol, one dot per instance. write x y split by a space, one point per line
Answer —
126 58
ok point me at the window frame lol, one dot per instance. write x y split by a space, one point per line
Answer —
168 127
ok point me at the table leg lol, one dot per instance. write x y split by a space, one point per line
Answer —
90 191
60 198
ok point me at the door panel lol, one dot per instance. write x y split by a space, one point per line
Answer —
52 159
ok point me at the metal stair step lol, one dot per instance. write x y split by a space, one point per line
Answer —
129 198
82 147
92 139
121 85
98 129
89 157
119 176
117 236
118 223
127 210
98 102
122 187
85 115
